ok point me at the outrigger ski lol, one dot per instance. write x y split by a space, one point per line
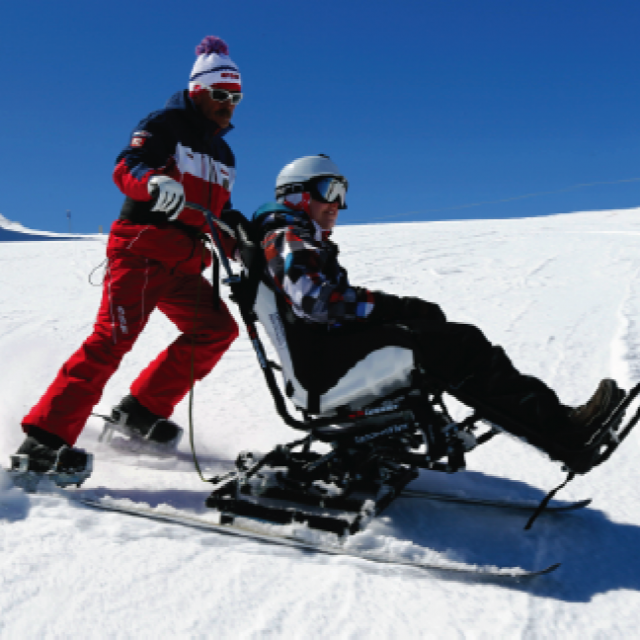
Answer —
240 529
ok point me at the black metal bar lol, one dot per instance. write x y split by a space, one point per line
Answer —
311 500
331 524
216 238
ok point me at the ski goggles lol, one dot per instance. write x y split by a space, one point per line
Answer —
329 189
222 95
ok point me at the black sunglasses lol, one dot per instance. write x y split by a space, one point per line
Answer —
222 95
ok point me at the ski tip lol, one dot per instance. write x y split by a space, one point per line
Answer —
568 506
526 575
550 569
580 504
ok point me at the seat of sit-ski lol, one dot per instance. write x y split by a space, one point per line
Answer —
380 373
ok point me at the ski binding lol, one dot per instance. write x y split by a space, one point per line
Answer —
111 426
27 479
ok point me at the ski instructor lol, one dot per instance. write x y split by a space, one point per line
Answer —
332 325
155 257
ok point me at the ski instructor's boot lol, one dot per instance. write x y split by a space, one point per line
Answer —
45 454
133 419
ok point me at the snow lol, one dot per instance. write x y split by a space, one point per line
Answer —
16 232
560 293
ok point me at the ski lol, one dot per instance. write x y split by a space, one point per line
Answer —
516 505
242 531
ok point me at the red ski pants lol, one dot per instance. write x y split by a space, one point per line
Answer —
134 286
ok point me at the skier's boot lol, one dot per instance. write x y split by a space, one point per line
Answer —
136 421
591 427
590 417
44 454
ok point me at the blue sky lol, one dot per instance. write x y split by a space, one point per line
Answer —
426 105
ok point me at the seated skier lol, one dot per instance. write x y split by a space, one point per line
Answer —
333 325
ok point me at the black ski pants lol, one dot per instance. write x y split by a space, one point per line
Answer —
457 357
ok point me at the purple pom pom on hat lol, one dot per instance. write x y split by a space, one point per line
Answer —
212 44
214 67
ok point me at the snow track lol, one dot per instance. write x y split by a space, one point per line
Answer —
561 294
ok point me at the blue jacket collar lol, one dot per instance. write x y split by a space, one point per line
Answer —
183 102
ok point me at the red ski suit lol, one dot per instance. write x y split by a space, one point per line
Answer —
154 265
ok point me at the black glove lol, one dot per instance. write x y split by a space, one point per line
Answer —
395 309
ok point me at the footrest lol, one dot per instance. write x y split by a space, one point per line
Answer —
615 432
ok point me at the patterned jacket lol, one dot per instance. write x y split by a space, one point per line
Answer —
303 264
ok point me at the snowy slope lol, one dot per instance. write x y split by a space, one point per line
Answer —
560 293
16 232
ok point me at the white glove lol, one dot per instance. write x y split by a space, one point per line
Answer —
169 196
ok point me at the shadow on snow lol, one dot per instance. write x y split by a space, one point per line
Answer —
597 554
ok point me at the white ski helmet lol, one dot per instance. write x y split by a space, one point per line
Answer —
316 175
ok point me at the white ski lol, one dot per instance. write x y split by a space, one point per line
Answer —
517 505
240 530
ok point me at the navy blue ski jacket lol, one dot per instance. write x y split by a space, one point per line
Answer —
180 142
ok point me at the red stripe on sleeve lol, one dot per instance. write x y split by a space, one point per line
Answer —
129 185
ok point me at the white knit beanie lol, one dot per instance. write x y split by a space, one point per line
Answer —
214 67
